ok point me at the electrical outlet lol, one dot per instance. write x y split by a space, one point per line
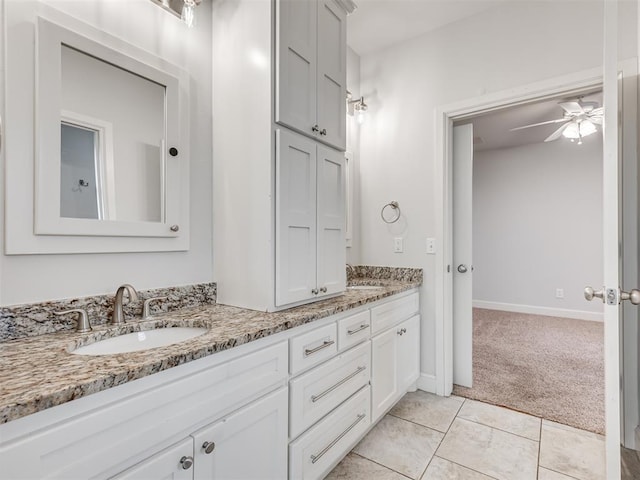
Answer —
559 293
431 246
397 245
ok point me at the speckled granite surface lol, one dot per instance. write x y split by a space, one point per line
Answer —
364 273
38 372
33 319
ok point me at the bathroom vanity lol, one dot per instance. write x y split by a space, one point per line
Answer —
260 395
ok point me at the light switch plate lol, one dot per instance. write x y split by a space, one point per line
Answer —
397 245
431 245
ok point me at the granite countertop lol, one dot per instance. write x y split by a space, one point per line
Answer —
39 372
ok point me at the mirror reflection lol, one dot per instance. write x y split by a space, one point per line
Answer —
112 141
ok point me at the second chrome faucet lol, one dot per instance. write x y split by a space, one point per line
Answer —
118 313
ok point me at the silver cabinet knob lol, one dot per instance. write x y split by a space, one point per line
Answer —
462 268
323 289
174 228
590 294
315 129
314 291
186 462
323 131
633 296
402 331
208 447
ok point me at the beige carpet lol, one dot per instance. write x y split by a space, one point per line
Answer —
546 366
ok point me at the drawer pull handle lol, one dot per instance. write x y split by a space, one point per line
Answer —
315 398
325 344
315 458
359 329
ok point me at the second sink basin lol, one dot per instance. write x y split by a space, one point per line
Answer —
143 340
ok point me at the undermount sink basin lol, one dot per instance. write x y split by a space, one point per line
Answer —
364 287
137 341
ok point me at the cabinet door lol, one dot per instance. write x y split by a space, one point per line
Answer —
165 465
295 217
331 277
332 73
384 372
296 60
249 444
408 353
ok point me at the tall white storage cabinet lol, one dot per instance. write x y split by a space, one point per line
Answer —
279 128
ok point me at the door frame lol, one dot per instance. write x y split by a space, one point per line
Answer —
445 116
443 188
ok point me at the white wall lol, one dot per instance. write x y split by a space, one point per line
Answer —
31 278
537 226
513 45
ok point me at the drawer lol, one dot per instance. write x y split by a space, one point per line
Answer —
393 312
311 348
354 329
316 452
317 392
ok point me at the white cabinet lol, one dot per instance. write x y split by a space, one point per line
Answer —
303 42
311 69
106 433
249 444
310 244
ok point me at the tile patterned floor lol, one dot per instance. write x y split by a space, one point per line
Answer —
426 437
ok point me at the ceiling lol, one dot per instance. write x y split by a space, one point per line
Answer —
492 130
377 24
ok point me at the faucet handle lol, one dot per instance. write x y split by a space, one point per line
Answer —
146 307
83 319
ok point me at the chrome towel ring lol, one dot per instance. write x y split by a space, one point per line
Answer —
390 216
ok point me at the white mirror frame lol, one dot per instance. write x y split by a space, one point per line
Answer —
32 182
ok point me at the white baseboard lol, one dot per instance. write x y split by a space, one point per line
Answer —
427 383
547 311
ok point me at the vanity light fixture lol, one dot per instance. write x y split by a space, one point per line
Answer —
185 9
356 107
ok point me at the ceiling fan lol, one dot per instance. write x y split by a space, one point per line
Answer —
579 120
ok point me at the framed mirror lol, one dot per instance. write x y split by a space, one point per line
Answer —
107 138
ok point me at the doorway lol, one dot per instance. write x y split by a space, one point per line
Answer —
527 234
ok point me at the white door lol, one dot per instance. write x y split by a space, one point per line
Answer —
384 372
408 352
332 74
462 250
332 254
296 223
296 60
173 463
249 444
611 241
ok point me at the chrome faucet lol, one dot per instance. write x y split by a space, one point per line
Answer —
118 313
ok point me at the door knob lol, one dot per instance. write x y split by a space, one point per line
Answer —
633 296
590 293
462 268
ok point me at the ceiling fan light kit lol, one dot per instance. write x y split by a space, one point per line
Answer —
579 120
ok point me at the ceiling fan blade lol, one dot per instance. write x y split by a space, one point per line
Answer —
597 111
556 135
572 108
596 120
558 120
